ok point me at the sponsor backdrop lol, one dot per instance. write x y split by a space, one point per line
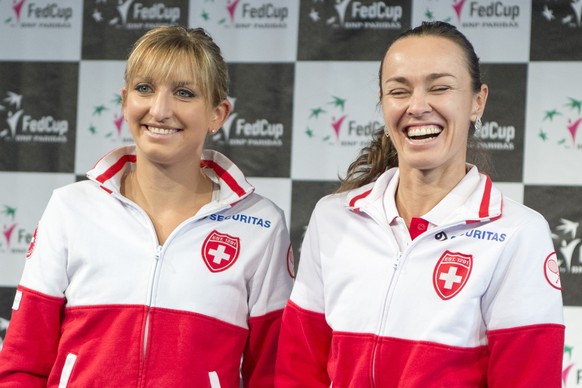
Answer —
304 91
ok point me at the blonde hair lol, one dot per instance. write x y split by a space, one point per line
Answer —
160 50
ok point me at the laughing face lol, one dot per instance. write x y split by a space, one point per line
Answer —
428 102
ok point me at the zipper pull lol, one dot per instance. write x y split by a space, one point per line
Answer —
397 260
158 252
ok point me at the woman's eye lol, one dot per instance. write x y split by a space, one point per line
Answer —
397 93
185 93
440 89
142 88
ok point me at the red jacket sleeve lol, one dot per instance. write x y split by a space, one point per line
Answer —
258 365
526 356
304 346
32 338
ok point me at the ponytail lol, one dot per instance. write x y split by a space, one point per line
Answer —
372 161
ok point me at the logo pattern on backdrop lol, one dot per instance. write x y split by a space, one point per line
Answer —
246 15
31 14
111 112
330 123
14 239
473 14
571 373
571 18
560 124
237 131
497 136
567 239
350 15
132 15
18 126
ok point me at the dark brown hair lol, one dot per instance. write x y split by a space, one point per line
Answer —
381 154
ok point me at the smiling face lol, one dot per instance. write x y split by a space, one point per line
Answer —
169 117
429 103
176 88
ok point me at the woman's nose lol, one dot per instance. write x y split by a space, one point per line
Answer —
160 108
419 104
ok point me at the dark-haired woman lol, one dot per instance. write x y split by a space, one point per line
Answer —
419 272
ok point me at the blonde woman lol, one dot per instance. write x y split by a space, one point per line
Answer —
146 274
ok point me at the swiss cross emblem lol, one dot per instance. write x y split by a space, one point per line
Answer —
220 251
451 273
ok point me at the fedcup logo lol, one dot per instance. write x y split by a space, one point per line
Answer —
478 14
13 238
567 241
571 374
30 14
11 107
330 123
349 14
240 131
496 136
244 14
561 123
570 12
107 121
133 15
19 126
7 215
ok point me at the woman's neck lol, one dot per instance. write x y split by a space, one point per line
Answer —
168 198
419 191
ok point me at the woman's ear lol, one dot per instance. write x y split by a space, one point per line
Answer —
479 102
219 115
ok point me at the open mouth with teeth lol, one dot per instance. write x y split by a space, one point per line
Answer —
423 134
161 131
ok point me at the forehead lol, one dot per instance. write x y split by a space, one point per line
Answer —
175 68
425 55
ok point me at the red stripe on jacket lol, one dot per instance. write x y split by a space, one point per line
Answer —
224 175
311 355
181 346
116 167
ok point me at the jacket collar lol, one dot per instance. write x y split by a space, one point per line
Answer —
110 169
474 199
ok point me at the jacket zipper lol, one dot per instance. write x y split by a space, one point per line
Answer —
150 297
157 258
396 265
146 330
383 313
387 296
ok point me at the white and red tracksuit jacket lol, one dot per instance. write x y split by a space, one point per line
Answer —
474 301
102 304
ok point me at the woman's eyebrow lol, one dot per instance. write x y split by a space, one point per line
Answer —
431 77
